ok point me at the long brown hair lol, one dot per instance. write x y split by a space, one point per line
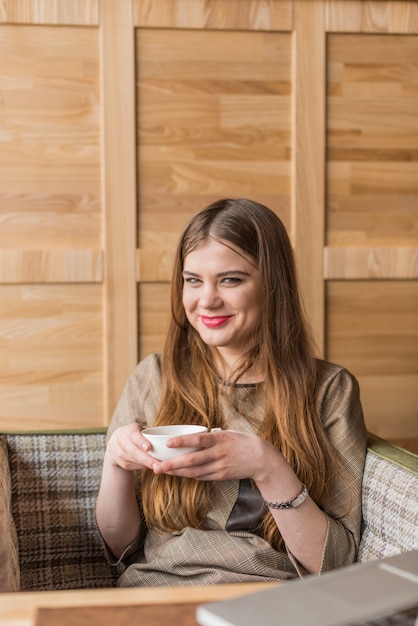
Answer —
282 352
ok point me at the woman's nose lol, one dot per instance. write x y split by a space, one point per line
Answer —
210 297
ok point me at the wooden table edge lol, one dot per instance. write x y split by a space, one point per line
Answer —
19 609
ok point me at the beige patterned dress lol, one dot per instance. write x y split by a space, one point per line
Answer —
226 553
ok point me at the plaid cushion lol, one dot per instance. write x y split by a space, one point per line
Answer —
9 558
55 481
390 503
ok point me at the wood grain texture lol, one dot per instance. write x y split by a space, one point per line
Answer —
50 138
154 304
373 330
354 262
63 12
146 615
372 16
51 266
372 140
48 213
51 369
391 404
214 14
51 356
25 611
154 265
118 77
308 165
213 121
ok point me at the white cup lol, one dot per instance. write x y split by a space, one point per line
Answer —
159 435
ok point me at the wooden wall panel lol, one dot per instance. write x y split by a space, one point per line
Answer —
308 163
360 262
372 143
119 197
50 148
373 330
214 14
68 12
372 213
154 305
372 16
51 335
51 360
51 266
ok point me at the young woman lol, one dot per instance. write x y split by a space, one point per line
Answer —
275 491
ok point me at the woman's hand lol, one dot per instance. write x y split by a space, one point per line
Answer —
128 449
224 455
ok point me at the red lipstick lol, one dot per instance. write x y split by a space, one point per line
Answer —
215 321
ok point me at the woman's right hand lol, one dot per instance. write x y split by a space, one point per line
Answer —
117 513
128 449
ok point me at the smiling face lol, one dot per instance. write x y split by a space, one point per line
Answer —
221 297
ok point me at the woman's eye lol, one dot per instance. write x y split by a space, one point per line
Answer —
232 280
191 280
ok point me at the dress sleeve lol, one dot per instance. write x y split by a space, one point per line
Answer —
341 412
342 415
138 403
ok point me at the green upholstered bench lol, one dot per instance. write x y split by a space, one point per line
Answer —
48 488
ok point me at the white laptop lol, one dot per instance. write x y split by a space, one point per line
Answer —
356 595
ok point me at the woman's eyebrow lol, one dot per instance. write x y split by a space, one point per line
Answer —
220 274
228 272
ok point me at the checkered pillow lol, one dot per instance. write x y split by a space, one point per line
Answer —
55 481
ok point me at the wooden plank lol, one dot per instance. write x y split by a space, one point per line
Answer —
214 14
22 609
354 262
155 316
390 403
214 121
51 266
51 334
119 192
68 12
50 143
154 265
373 331
308 126
51 356
372 16
372 150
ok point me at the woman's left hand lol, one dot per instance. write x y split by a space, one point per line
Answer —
224 455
